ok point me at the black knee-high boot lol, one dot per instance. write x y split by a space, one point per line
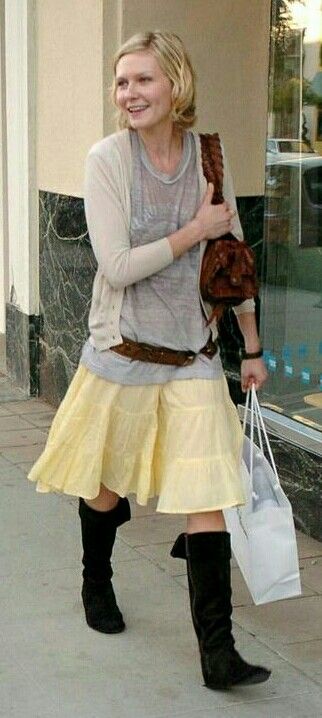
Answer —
98 536
208 566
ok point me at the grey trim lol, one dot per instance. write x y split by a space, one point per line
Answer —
289 430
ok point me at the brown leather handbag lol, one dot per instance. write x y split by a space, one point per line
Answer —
228 272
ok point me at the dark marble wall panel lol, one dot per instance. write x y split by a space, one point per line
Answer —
301 476
22 349
17 343
67 268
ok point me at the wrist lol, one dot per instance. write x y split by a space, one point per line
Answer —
245 354
253 347
197 230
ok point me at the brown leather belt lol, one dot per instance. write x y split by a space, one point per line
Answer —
162 355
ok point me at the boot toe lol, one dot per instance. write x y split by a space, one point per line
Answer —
105 624
245 674
226 671
254 674
101 610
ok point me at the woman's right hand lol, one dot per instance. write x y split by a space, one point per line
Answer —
210 222
214 220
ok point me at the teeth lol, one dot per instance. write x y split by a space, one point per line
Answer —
134 109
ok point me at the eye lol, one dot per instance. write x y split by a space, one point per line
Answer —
145 79
121 83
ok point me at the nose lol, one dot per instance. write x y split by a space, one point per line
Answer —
131 90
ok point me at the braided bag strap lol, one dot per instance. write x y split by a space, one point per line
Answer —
213 164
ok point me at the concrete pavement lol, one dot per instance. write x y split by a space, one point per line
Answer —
53 666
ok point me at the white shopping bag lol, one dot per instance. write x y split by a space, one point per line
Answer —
262 532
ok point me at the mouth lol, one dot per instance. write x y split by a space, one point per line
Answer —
137 110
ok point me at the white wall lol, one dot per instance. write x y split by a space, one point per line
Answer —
229 46
70 90
21 145
4 278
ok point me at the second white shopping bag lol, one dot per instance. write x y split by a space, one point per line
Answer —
262 532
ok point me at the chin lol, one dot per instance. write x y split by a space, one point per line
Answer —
137 125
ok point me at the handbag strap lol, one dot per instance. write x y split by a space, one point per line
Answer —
213 164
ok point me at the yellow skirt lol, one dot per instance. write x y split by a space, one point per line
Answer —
180 441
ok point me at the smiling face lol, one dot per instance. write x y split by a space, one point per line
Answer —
143 91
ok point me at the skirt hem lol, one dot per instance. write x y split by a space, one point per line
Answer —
165 510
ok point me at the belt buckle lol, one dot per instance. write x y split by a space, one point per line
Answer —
189 359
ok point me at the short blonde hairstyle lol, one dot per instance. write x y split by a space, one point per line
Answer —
174 61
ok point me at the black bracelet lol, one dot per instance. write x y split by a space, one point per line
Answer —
243 354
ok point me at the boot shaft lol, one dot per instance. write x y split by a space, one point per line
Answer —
98 529
209 578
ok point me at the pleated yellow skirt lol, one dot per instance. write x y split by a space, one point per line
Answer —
180 441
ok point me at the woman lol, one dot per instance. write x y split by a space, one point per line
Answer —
148 410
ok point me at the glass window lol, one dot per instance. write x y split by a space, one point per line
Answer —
294 146
291 297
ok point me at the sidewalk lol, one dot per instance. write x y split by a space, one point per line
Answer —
53 666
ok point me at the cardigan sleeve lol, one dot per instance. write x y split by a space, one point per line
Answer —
229 195
109 232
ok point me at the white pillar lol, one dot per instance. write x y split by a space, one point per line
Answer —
4 263
20 25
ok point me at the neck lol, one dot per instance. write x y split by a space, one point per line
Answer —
162 141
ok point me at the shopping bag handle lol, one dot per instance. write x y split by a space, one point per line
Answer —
255 405
249 399
253 412
252 403
246 411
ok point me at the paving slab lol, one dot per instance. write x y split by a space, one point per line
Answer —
302 705
159 554
5 410
283 621
308 547
311 573
22 454
152 529
305 655
5 464
25 466
11 478
42 420
12 423
21 696
27 406
22 437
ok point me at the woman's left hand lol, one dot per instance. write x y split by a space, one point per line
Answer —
252 371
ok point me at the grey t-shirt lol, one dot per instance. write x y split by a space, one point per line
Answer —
163 309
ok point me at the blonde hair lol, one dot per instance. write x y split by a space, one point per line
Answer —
174 61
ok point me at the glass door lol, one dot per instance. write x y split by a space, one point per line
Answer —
291 316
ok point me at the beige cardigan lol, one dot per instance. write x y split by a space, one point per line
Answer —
107 186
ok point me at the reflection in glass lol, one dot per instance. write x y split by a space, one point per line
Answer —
292 286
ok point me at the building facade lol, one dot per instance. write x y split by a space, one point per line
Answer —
260 86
